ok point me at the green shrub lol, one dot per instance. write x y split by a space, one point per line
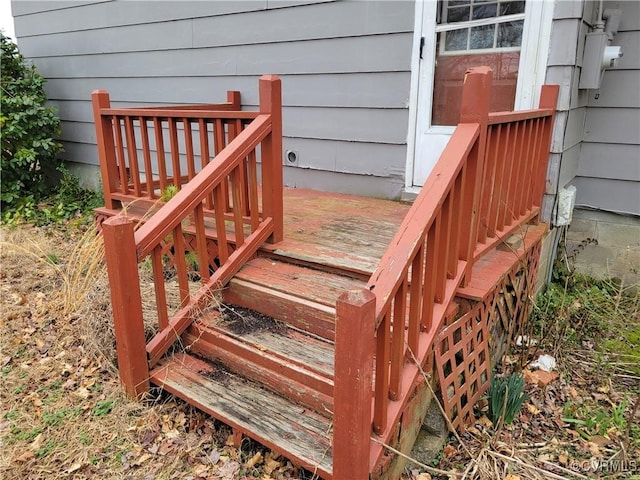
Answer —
27 131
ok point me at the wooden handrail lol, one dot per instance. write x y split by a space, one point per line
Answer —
505 117
395 263
180 114
182 204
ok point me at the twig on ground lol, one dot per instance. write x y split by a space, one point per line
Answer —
413 460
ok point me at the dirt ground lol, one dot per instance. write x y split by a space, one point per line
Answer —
62 413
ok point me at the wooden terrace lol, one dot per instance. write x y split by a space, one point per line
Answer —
306 319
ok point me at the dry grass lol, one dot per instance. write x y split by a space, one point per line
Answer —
62 412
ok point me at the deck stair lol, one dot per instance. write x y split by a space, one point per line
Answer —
270 345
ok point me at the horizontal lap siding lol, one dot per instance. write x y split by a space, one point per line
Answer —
608 175
345 69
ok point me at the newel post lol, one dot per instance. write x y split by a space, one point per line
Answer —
476 95
122 267
233 98
352 408
106 145
272 183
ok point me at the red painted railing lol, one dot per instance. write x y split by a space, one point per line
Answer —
144 150
216 215
488 182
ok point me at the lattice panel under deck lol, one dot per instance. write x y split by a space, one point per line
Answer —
467 348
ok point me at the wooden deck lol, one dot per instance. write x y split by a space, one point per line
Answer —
315 313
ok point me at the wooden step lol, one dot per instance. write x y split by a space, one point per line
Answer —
300 296
274 354
276 422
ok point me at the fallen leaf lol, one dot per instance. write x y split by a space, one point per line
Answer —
599 440
200 470
75 467
512 476
37 443
540 377
214 456
563 459
594 449
228 470
25 456
255 460
485 422
573 393
271 465
449 451
423 476
82 392
533 410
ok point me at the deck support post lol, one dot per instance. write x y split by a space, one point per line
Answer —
272 182
476 95
106 146
352 406
122 267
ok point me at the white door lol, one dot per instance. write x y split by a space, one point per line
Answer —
510 36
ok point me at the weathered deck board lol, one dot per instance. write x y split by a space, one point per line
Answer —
311 352
328 230
338 231
270 419
318 286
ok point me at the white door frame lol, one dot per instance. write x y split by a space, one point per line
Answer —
532 71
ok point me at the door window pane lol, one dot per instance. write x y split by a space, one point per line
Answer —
484 11
510 34
482 37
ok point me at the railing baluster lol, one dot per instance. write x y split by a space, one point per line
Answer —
146 155
252 183
122 164
188 142
175 152
159 287
132 152
491 186
505 157
509 210
397 339
382 374
201 239
220 144
495 162
415 300
444 250
180 262
221 232
204 155
236 190
162 166
523 156
457 193
531 168
535 154
431 268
